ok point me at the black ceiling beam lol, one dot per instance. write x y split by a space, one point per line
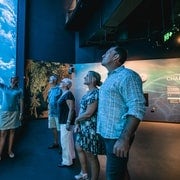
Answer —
81 14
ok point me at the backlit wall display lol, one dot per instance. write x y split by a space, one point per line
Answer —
37 86
161 83
8 28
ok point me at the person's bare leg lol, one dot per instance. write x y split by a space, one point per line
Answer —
94 166
3 135
82 159
11 141
127 176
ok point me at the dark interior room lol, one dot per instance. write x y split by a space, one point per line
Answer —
69 37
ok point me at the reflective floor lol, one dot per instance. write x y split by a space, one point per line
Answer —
155 154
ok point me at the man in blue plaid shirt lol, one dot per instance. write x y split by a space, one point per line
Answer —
121 108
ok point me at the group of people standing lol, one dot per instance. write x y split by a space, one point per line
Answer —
87 143
108 118
61 116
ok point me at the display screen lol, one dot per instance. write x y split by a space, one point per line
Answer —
8 34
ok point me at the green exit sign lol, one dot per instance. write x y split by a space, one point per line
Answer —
167 36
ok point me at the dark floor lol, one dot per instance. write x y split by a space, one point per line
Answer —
155 155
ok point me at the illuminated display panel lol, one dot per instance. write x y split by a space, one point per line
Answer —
161 86
8 35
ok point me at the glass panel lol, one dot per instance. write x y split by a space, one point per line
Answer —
8 29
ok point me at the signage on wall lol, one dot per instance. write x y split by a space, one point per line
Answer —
173 89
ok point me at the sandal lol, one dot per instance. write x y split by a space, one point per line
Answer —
11 155
81 176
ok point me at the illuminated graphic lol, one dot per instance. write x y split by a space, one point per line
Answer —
37 86
8 26
161 85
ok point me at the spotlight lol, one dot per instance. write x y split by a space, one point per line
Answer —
178 39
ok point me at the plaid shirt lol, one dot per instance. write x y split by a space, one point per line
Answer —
120 95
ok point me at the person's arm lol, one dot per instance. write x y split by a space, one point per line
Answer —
2 85
122 145
91 108
21 103
71 106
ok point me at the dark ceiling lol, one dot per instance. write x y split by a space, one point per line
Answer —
149 20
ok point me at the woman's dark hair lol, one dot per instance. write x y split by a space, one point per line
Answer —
97 76
122 53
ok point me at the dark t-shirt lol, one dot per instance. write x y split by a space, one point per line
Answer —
63 108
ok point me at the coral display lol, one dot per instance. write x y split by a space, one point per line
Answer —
36 85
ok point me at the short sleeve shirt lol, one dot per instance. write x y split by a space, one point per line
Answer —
10 98
53 95
63 109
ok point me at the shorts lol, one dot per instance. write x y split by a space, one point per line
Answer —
53 122
9 120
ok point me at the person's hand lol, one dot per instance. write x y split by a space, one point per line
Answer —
76 128
68 127
121 147
20 116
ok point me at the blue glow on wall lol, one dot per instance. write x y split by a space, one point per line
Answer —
8 35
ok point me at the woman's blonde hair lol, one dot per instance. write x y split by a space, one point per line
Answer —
97 76
68 82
